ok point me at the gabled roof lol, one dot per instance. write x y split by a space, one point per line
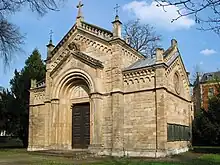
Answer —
142 63
81 57
96 30
210 76
64 39
146 62
88 60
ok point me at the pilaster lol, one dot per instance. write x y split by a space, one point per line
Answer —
54 126
96 122
48 108
117 100
30 128
161 118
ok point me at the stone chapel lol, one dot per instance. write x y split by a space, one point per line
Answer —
104 97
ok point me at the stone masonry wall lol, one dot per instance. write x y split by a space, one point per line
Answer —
37 125
178 112
139 121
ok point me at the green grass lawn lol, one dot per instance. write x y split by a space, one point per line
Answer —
22 157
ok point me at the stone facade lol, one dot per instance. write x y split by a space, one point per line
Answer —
132 98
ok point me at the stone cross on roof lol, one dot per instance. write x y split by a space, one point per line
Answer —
79 6
116 9
51 35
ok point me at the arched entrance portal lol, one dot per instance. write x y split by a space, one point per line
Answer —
80 116
74 95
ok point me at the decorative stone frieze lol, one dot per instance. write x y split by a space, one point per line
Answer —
38 96
138 76
41 84
95 44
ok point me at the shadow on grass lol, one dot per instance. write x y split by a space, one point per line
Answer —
207 149
189 158
10 143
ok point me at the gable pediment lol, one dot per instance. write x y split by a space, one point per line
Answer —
177 66
88 60
84 58
86 28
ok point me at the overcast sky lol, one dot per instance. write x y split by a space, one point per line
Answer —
196 47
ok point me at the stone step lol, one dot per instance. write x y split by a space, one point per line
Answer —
77 155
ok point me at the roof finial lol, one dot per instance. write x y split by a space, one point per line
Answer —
117 24
116 11
79 6
51 37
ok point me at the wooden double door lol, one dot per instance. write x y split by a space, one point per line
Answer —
80 126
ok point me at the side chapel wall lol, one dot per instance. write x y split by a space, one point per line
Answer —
37 119
139 110
178 104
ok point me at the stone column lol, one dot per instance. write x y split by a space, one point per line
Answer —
96 119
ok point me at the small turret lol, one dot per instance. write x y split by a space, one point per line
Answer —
159 55
117 25
174 42
50 46
79 17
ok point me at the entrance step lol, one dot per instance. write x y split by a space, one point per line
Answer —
73 154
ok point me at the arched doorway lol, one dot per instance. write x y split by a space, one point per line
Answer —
75 90
80 116
80 125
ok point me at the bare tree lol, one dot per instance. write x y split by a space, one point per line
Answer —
10 40
196 72
10 37
205 12
141 37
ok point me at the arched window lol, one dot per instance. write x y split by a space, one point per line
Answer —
176 81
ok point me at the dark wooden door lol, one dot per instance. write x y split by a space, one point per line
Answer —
81 126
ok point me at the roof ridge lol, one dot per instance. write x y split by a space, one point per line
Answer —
98 27
88 59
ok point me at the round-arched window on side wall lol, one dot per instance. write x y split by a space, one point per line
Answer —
176 81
